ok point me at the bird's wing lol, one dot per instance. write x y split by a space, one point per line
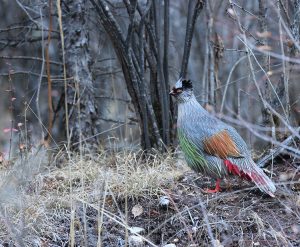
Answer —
221 145
229 146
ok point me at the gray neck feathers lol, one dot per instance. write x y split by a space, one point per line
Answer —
190 108
185 96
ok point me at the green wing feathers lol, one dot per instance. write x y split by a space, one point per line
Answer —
194 159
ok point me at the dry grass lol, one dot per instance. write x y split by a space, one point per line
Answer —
88 201
42 194
126 174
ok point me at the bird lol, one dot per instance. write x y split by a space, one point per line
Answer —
212 147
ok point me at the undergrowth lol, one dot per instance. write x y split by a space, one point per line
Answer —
138 199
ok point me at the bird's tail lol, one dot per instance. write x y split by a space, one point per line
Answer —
262 181
250 171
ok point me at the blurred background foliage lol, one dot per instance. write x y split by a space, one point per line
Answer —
112 73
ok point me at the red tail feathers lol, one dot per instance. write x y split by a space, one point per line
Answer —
255 174
233 169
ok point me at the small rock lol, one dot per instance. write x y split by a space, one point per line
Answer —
136 229
170 245
164 201
135 241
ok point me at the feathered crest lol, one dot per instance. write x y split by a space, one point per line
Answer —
186 84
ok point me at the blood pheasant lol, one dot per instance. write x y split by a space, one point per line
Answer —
212 147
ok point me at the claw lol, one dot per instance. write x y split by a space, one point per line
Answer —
216 189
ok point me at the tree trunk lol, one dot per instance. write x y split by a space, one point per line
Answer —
266 113
80 94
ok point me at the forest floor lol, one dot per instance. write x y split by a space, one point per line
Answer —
121 199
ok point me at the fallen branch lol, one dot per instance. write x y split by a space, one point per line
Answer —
263 162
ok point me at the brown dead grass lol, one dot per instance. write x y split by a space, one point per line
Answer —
89 200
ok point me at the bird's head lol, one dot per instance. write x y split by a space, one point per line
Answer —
182 90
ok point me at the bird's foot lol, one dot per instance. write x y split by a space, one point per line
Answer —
216 189
210 191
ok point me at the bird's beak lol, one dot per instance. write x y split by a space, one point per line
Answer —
172 92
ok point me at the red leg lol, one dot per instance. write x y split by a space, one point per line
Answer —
217 188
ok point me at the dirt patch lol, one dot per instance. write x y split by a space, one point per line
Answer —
241 216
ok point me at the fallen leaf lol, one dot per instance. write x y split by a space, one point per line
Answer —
137 210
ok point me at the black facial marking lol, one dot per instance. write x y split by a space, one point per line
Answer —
177 91
187 84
